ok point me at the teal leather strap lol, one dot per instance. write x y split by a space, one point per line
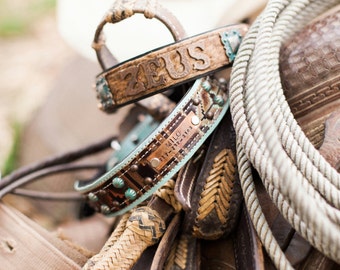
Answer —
136 135
159 157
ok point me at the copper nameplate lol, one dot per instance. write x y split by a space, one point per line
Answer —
171 146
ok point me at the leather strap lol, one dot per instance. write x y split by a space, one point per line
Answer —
123 9
158 106
248 248
168 66
26 245
137 134
163 153
217 195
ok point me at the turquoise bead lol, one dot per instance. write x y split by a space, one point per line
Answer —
218 100
118 182
207 86
105 209
130 194
92 197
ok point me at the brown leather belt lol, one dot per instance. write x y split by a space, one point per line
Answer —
168 66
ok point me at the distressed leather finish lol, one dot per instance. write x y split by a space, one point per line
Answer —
330 147
168 66
216 196
247 246
310 73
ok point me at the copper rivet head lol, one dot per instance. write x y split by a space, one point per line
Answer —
196 101
148 180
195 120
134 167
155 162
210 115
115 203
102 192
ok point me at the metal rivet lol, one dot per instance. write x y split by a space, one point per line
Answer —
195 120
105 209
92 197
130 194
102 192
196 101
115 203
118 182
209 115
148 180
155 162
206 86
218 100
115 145
134 138
134 167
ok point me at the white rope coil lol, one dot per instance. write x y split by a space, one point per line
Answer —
303 186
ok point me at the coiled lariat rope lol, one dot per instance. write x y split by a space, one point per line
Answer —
301 183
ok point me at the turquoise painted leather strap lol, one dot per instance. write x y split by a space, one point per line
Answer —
162 153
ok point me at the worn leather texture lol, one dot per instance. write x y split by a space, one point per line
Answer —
216 194
167 67
310 73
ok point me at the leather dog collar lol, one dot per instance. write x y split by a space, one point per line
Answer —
162 153
165 67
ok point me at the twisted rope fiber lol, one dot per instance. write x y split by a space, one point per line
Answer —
265 127
311 190
279 165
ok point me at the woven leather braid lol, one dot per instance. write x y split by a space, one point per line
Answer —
166 192
110 242
218 189
143 228
177 258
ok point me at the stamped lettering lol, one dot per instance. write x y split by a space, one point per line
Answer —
178 138
177 69
196 51
150 69
176 64
134 86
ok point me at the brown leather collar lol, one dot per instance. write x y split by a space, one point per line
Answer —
163 153
168 66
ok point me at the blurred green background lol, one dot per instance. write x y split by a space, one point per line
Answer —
17 17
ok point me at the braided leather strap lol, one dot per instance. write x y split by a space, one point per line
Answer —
143 228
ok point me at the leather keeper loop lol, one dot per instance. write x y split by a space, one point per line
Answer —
162 153
123 9
168 66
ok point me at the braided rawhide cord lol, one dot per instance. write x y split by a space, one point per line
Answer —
304 187
136 231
